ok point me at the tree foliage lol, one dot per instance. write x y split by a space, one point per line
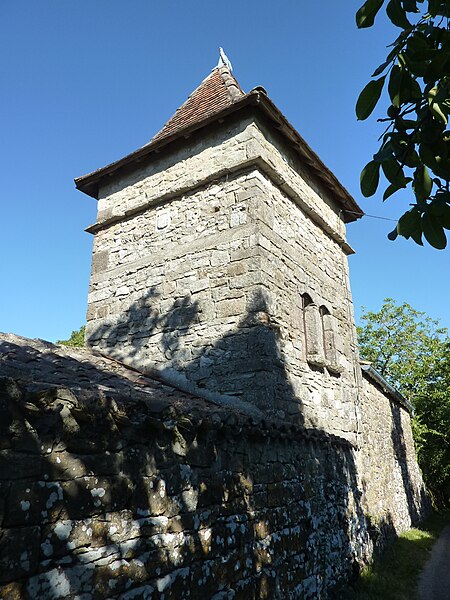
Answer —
403 344
414 153
76 339
413 353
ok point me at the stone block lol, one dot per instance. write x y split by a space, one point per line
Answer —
30 503
100 261
19 554
219 258
230 308
17 465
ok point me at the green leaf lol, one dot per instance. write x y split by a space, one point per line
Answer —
384 153
442 168
418 47
441 210
409 225
365 17
394 86
427 156
393 235
397 15
437 67
411 159
417 236
430 132
433 7
368 98
416 67
433 231
410 89
438 113
394 173
422 183
370 176
392 189
381 68
401 144
410 5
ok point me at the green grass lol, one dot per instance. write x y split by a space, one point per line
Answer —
395 575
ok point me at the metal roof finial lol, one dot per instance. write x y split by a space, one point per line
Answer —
224 61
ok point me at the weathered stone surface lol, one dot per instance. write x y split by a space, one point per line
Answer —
165 523
194 496
19 552
186 296
393 490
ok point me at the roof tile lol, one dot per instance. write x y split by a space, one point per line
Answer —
218 91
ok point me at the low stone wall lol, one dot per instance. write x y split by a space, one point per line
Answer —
104 499
394 497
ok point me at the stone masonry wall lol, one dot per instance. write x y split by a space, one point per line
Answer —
101 498
183 291
393 488
224 263
200 266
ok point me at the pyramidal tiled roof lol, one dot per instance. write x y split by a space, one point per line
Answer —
217 96
218 91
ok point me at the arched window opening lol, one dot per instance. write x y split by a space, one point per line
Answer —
306 300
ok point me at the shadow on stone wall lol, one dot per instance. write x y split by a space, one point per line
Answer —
106 500
107 492
246 362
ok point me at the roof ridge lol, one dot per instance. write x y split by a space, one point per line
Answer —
232 86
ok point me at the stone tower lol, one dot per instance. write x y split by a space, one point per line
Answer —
220 260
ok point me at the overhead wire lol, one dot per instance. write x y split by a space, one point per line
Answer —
354 212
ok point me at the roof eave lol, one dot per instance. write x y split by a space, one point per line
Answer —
89 184
387 388
310 158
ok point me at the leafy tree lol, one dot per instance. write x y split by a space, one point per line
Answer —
413 353
403 344
76 339
431 427
415 146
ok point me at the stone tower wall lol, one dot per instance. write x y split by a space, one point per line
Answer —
298 258
222 264
199 264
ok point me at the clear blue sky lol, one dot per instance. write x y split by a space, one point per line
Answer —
85 82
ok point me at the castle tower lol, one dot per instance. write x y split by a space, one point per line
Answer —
220 259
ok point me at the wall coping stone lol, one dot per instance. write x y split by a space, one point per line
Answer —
40 368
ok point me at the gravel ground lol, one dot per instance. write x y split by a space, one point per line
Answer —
434 582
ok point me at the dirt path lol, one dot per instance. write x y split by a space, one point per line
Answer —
434 582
